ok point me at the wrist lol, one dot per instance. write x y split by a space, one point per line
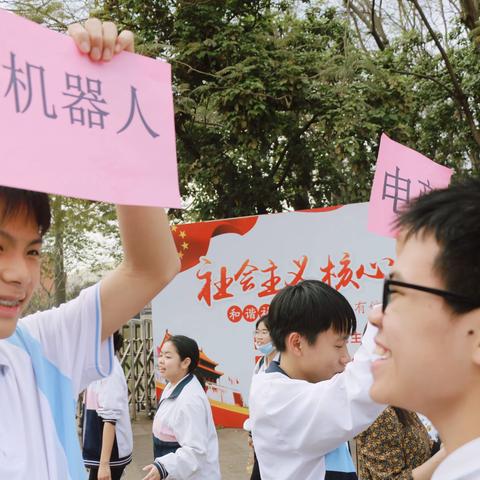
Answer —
161 469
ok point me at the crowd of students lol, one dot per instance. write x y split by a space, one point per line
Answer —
421 352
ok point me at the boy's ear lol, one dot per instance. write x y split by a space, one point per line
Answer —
293 343
474 332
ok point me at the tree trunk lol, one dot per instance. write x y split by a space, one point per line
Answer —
60 277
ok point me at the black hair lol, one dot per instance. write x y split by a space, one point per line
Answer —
35 204
309 308
117 341
263 319
452 216
186 348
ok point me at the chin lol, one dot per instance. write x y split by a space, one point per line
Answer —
386 396
7 328
379 394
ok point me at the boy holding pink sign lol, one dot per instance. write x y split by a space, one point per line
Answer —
47 358
428 338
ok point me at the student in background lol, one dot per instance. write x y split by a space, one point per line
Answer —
264 344
313 400
107 432
396 446
184 436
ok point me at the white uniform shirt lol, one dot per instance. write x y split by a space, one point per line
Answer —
260 367
107 400
44 365
187 419
462 464
296 423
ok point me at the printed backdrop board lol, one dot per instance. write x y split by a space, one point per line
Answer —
232 268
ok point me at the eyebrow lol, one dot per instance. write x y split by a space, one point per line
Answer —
7 236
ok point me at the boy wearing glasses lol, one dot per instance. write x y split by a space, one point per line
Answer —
429 326
304 409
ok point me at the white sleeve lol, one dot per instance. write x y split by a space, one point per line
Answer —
70 338
111 396
315 417
191 430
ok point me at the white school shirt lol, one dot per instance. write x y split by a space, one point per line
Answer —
44 365
462 464
260 367
187 420
295 423
107 400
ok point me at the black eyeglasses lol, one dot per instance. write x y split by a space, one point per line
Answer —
452 297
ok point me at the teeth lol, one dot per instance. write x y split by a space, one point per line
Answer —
9 303
382 352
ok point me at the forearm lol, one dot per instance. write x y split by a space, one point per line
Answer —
149 263
107 443
147 241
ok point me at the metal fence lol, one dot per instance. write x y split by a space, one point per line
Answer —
137 362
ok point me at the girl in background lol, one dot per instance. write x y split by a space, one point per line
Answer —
184 437
263 343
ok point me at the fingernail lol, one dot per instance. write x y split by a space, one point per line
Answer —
85 47
107 54
95 54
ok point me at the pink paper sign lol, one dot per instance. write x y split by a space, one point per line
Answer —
70 126
401 175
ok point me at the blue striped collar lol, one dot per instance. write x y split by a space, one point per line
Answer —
275 367
180 386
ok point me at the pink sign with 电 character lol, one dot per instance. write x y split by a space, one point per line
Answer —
401 175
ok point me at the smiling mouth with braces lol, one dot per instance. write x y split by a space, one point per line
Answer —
10 303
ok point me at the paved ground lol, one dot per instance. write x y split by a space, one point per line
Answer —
232 442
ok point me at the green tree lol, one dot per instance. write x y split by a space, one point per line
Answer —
280 104
431 43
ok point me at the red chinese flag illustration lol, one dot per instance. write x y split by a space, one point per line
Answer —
193 239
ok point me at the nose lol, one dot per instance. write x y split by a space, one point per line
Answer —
346 357
14 269
375 316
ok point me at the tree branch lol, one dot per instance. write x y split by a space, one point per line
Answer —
290 162
375 34
459 95
425 77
